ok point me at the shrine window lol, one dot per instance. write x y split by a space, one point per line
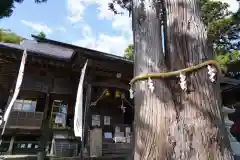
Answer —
25 105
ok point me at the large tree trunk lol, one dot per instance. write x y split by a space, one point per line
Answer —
154 112
171 124
201 132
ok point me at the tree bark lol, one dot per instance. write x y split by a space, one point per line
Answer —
199 131
154 112
170 124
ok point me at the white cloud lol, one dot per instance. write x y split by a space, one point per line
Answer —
234 5
104 43
76 10
38 27
77 7
61 29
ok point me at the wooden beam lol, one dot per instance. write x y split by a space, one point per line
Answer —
9 56
45 130
228 80
125 69
112 75
4 61
111 84
86 117
223 88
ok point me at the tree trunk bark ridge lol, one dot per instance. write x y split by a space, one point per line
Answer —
154 111
171 124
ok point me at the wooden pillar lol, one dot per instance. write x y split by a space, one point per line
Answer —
10 148
85 117
45 131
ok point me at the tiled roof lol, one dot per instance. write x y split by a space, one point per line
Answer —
48 49
41 49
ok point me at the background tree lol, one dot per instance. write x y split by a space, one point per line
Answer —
223 28
129 52
228 58
7 6
223 58
42 35
9 37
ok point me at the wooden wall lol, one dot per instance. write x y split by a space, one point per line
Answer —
8 73
44 80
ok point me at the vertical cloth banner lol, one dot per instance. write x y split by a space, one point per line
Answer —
78 113
17 89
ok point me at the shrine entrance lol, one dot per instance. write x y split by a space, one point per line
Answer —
110 123
129 116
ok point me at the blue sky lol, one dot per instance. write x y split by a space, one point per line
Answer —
86 23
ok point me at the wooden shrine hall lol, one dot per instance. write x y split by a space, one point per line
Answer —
41 118
42 115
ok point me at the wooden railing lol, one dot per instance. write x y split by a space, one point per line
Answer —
116 149
24 120
23 147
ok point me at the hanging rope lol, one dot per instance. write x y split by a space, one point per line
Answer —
128 103
176 73
99 98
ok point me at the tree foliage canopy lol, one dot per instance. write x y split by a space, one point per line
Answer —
129 52
7 6
222 25
227 58
42 35
9 37
223 28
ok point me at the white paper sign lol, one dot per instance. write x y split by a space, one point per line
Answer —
60 118
128 130
108 135
117 129
95 120
107 120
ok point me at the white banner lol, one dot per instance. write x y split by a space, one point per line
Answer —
78 113
17 88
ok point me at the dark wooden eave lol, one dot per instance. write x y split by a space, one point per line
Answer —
234 66
88 53
99 62
14 53
99 68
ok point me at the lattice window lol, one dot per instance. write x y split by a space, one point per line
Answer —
25 105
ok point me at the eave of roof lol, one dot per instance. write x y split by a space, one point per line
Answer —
93 53
48 49
21 48
87 52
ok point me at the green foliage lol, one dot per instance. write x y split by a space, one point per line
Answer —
129 52
223 27
9 37
7 6
227 58
223 59
42 35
